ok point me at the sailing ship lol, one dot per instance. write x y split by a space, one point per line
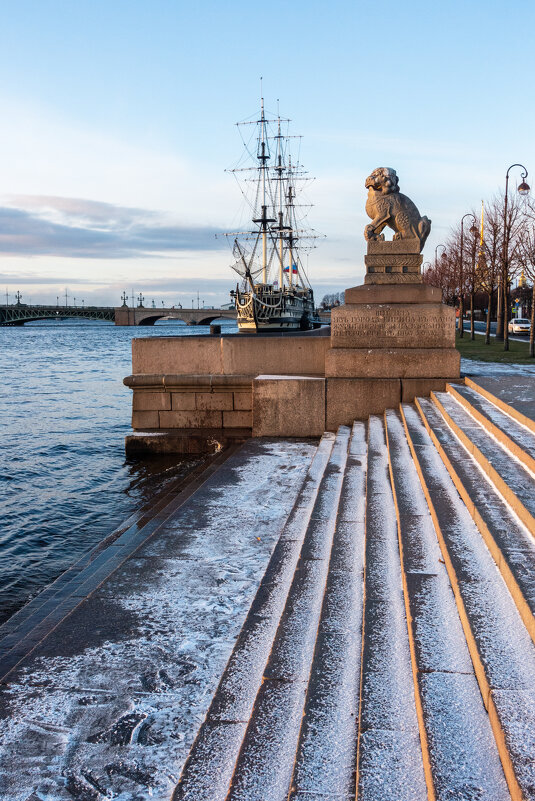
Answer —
275 294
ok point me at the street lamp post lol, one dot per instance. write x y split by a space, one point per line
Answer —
523 189
461 281
439 280
436 249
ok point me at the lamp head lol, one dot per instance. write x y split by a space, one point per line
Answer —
523 189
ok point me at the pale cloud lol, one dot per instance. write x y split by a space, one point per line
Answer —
43 152
35 280
33 225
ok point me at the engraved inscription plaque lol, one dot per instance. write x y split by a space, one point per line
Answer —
380 260
393 325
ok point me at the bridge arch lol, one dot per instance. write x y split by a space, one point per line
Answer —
177 318
151 319
210 318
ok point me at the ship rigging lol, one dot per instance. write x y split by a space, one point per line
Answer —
275 294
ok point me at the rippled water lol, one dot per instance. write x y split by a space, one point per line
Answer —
64 480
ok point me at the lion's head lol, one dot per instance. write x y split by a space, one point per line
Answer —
384 180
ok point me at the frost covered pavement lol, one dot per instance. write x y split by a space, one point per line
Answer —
321 623
109 703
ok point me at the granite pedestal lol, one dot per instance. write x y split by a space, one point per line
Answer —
390 341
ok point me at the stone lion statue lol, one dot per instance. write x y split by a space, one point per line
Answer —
387 206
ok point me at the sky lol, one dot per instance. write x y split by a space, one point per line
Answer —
118 126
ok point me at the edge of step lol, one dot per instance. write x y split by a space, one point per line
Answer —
207 771
265 764
389 734
509 495
501 404
441 663
526 458
513 772
501 561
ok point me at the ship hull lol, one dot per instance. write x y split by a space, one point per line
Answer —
271 310
248 325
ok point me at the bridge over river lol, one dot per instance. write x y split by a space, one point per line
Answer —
20 313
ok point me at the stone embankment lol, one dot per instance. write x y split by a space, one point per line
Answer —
352 619
387 344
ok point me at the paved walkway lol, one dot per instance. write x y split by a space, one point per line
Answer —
496 370
110 699
314 622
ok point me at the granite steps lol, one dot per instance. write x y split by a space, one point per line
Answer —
387 651
443 693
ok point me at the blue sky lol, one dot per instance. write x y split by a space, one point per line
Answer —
118 123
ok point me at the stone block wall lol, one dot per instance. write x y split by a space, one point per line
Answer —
288 406
190 401
197 390
387 344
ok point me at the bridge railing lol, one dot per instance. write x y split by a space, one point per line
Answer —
20 313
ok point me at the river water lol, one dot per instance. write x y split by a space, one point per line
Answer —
64 480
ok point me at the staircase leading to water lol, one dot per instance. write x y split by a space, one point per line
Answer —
388 652
389 649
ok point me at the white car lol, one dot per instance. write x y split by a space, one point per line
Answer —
519 325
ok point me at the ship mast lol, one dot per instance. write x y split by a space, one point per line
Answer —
263 156
291 215
277 235
279 169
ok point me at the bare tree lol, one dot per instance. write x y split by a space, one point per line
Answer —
442 274
458 271
491 269
473 278
525 252
489 266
